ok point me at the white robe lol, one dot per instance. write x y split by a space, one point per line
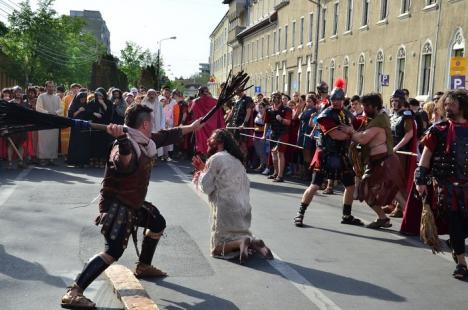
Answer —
227 185
47 141
159 121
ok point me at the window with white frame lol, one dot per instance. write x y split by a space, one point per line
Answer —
383 9
457 49
311 26
405 6
279 40
426 65
301 37
349 15
379 66
324 23
365 12
258 50
262 49
274 43
335 18
267 45
299 73
346 69
360 74
286 37
331 71
308 81
401 63
293 34
430 2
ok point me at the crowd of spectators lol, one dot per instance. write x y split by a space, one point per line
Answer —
170 108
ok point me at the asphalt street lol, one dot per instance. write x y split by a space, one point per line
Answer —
47 233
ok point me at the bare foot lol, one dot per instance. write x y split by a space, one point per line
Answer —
244 250
259 246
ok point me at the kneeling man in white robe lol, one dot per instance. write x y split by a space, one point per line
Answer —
224 179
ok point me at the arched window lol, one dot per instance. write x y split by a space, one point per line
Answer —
360 76
456 49
379 65
331 72
346 70
320 72
426 65
400 67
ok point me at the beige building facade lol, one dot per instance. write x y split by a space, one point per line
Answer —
220 56
375 45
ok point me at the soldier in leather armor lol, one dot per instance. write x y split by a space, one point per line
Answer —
404 139
444 162
331 159
382 181
122 206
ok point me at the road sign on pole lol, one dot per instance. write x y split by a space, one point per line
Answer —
457 66
258 89
384 79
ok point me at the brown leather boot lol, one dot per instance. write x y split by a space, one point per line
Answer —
148 271
74 299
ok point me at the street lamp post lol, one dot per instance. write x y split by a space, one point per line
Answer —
158 62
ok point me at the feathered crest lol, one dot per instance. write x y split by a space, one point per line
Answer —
340 83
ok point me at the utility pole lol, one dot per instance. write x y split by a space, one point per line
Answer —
158 62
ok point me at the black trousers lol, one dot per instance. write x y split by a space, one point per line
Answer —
153 221
458 229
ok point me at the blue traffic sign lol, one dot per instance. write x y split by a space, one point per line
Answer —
457 81
384 79
258 89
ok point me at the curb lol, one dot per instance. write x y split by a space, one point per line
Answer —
128 289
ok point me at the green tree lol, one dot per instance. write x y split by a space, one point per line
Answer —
45 46
132 61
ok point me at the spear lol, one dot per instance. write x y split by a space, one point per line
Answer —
275 141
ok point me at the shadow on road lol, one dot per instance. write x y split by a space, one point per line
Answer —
276 188
332 282
21 269
208 301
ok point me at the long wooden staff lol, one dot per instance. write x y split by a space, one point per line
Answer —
15 148
240 128
275 141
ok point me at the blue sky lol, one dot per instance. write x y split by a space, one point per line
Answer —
147 21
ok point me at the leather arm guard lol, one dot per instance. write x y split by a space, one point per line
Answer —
421 175
125 146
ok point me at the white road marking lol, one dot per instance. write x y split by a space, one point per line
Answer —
295 278
10 189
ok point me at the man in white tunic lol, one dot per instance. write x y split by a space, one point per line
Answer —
47 144
159 122
224 179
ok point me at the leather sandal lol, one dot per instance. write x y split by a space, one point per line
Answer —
380 223
272 177
351 220
298 220
74 299
460 272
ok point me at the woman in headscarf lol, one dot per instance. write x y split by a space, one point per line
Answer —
100 110
118 107
79 146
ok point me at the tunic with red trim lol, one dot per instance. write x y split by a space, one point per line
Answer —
448 142
328 120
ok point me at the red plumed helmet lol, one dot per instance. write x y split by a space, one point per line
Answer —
340 83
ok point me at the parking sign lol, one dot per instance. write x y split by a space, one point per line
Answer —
384 79
457 81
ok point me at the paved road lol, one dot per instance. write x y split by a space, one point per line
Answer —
46 234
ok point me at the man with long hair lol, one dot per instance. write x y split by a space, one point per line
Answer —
224 177
444 162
